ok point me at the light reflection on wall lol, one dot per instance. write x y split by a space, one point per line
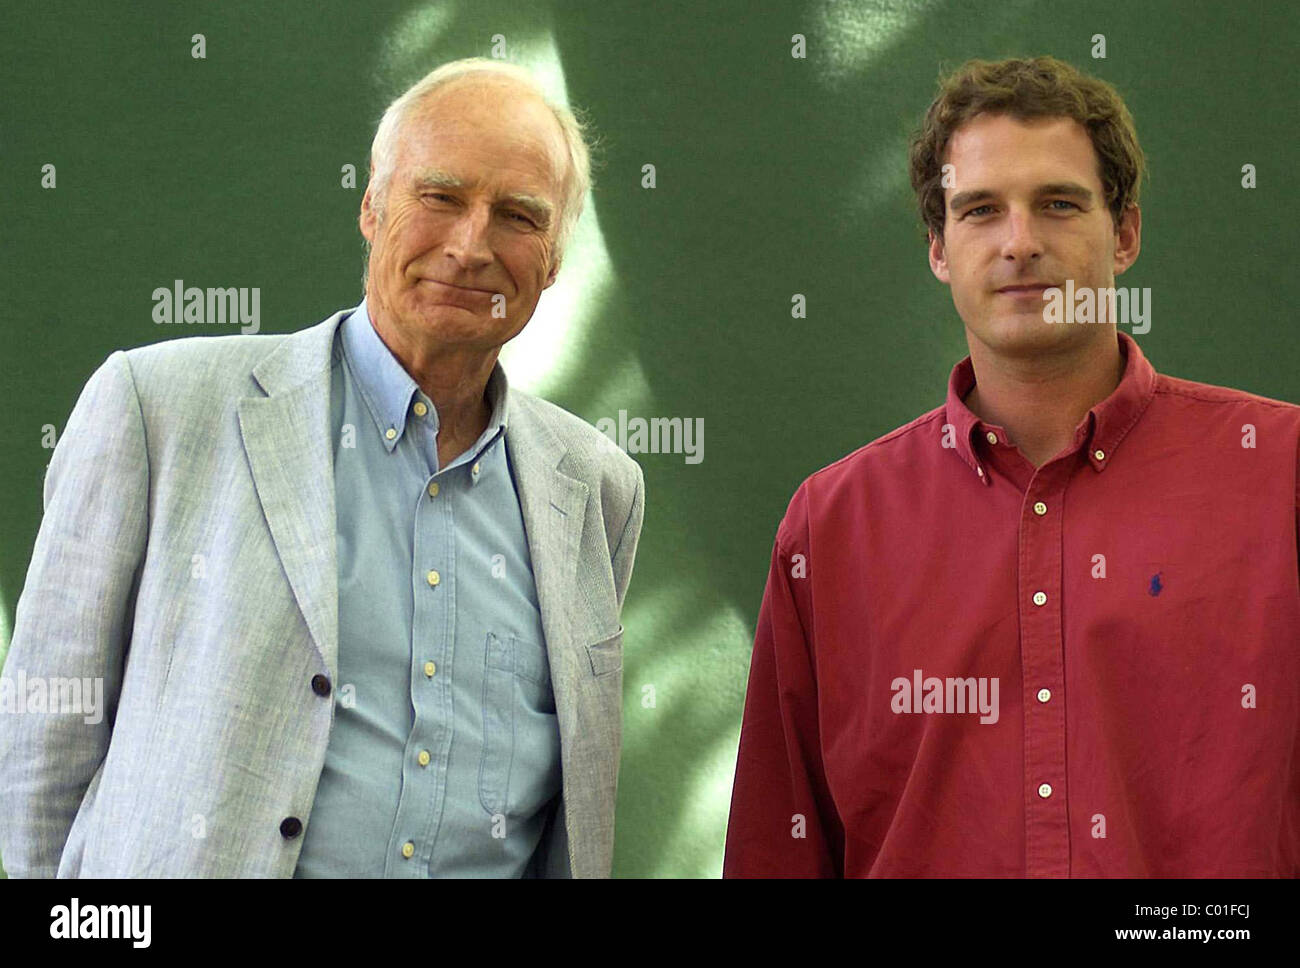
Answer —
5 630
852 40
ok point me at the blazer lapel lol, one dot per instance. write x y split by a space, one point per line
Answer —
287 438
554 506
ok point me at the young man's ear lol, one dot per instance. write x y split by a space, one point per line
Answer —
938 257
1128 238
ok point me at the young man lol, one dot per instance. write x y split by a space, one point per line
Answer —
1052 627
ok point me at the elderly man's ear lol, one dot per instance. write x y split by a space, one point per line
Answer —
366 220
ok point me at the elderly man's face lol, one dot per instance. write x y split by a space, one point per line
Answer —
472 213
1026 209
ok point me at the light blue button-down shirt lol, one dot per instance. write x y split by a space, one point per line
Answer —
444 757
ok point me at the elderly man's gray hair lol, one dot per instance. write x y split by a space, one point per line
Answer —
384 148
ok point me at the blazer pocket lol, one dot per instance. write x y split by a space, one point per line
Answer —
606 656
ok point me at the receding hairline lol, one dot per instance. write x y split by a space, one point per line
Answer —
487 77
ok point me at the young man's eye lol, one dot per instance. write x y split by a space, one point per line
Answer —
978 209
1062 201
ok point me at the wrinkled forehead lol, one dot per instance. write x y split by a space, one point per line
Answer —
490 123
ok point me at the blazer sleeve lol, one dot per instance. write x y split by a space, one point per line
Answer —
783 822
74 616
625 553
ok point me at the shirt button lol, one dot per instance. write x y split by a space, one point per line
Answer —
433 578
1045 790
423 757
1099 454
433 489
420 409
320 685
1044 695
474 469
390 433
408 849
428 669
1040 508
991 437
1040 598
979 471
290 827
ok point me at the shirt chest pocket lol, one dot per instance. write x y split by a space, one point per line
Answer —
519 769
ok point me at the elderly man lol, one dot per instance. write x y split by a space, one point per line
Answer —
354 600
1049 628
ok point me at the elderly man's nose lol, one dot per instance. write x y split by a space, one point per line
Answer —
467 243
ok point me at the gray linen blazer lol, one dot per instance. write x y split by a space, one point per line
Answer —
187 556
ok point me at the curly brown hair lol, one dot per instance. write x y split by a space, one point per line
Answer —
1027 88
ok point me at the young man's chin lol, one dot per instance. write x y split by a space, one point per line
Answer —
1025 334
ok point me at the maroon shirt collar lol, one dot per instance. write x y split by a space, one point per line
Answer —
1100 432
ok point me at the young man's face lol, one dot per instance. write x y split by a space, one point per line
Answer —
1026 209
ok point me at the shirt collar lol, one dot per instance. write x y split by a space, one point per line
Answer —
1100 431
388 389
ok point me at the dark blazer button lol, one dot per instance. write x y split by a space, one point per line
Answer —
320 685
290 827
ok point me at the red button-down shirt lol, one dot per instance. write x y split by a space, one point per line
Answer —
1135 603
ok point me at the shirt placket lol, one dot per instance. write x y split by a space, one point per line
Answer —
424 764
1042 653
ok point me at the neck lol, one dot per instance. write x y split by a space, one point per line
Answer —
1040 400
454 377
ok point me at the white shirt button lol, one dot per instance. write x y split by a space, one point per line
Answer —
390 433
1045 790
433 578
420 409
1040 598
433 489
991 437
424 757
428 669
1099 454
408 849
1044 695
1040 508
474 469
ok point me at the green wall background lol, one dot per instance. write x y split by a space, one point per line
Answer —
775 176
